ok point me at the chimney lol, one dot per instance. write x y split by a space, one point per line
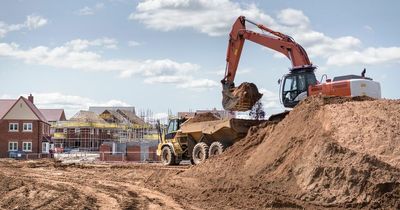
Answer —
30 98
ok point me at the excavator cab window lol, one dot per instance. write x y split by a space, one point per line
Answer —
295 87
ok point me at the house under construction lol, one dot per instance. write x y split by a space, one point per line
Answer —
87 130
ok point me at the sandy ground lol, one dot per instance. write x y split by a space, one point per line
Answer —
46 184
328 153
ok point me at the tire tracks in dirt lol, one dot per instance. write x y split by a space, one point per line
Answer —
108 192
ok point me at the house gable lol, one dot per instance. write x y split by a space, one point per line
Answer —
20 111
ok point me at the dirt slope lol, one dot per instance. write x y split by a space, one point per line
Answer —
325 153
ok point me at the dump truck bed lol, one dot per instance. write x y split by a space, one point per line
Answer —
228 130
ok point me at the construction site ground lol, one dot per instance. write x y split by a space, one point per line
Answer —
328 153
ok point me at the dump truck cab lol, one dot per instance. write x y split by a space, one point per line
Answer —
173 145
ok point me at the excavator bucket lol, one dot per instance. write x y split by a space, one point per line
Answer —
241 98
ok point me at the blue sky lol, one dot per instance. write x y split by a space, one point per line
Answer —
170 55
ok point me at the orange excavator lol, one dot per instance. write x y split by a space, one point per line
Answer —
295 86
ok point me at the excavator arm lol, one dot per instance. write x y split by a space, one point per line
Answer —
248 95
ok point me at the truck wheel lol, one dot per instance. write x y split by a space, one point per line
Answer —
167 156
216 148
200 153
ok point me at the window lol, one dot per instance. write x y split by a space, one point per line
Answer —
27 146
45 147
13 127
172 126
27 127
290 84
12 146
65 130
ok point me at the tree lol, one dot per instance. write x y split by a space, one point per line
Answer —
257 111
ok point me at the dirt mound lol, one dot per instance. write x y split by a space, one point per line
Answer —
328 152
202 117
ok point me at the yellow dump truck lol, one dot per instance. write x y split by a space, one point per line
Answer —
196 141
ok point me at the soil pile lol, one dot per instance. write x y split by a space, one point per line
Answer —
328 152
241 98
202 117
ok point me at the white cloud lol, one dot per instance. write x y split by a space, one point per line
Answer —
99 5
31 22
239 71
35 21
199 84
294 23
211 17
90 10
370 55
215 18
79 44
134 43
167 79
77 54
183 81
85 11
270 101
292 17
368 28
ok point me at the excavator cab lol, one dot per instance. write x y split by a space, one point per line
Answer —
294 86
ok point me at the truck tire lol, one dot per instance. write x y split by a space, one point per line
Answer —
167 156
216 148
200 153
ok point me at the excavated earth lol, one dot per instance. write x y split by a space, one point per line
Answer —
328 153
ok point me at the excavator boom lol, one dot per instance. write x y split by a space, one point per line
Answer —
245 96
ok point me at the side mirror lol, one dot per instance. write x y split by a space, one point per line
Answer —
279 81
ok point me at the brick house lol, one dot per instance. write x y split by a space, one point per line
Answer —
23 128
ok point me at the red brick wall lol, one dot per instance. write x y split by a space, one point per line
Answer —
133 153
106 155
105 152
153 153
35 136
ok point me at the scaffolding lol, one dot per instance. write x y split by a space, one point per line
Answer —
87 131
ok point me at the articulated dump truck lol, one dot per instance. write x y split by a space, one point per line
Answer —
197 139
